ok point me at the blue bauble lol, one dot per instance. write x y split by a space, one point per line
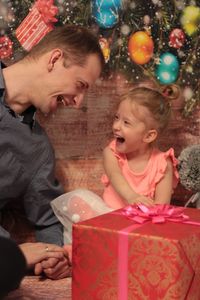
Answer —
168 68
105 18
166 77
106 4
117 3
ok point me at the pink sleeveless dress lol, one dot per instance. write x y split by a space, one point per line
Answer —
143 183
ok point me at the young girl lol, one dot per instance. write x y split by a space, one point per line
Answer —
136 171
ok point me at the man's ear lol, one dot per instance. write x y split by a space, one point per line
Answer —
150 136
54 56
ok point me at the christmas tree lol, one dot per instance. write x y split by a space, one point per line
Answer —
141 39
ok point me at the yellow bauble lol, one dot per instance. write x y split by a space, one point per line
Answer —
106 54
191 14
140 47
190 28
190 19
105 48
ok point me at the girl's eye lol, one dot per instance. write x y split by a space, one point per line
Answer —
126 123
116 117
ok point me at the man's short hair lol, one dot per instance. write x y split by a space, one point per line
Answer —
77 43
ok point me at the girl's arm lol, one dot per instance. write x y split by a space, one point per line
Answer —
164 188
118 181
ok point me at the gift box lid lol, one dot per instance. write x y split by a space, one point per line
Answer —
114 221
157 261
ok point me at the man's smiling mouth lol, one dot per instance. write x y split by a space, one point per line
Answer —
61 100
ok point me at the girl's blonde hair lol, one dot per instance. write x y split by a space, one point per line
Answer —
157 104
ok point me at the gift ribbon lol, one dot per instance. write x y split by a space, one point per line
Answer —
47 10
141 214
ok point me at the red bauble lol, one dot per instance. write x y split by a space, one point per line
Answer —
176 38
6 47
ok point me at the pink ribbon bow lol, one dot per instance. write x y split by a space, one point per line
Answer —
47 10
156 214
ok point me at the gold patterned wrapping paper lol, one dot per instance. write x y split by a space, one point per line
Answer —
163 260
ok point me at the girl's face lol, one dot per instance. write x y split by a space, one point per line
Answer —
130 126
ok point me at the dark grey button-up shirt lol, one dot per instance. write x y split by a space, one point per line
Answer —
27 172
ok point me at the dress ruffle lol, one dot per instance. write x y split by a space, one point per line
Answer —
169 154
152 175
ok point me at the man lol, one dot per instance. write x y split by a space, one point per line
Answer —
12 266
59 70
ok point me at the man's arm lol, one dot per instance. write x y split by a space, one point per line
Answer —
39 212
42 189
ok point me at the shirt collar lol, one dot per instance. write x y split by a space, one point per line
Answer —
28 116
2 83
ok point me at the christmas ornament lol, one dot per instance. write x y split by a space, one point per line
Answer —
107 4
140 47
190 19
106 12
146 20
6 47
167 69
187 93
116 20
105 48
176 38
37 23
106 18
125 29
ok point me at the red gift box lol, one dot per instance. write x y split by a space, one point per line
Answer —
37 23
116 258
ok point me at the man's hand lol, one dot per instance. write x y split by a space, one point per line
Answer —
56 268
36 252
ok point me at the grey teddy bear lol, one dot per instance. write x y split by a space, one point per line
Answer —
189 171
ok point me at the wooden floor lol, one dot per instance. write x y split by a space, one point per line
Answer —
35 288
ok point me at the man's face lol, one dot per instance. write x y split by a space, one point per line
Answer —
67 85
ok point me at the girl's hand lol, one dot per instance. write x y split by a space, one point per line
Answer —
143 200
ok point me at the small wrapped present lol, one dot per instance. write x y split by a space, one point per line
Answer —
138 253
37 23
